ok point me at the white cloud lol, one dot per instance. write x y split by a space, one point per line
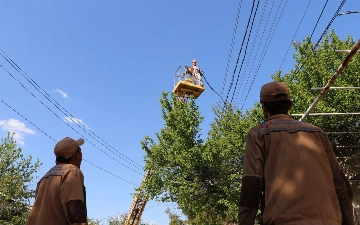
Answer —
17 127
75 120
62 93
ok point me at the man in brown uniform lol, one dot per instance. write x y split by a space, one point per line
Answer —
290 170
60 193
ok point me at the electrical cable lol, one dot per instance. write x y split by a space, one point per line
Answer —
270 36
292 40
153 206
312 33
232 45
242 62
67 123
62 109
109 173
57 105
251 51
26 119
211 87
55 142
317 22
258 46
298 68
328 26
242 43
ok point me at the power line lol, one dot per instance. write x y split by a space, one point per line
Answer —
312 33
258 47
55 141
109 172
268 40
242 43
331 21
26 119
251 51
242 62
292 40
298 68
317 22
147 208
232 45
62 109
64 121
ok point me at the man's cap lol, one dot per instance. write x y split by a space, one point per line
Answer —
67 147
194 60
274 91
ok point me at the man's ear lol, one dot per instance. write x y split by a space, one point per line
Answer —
76 155
263 106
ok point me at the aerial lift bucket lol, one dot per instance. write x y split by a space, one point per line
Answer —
186 86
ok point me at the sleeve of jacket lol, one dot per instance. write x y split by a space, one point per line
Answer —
72 196
342 186
252 181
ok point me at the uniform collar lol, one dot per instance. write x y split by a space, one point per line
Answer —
280 117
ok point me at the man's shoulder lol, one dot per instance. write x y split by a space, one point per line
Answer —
70 168
282 120
283 123
72 171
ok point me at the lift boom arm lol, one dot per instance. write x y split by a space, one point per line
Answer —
137 207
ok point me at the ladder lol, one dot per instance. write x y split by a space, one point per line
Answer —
138 206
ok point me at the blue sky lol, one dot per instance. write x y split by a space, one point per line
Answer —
105 63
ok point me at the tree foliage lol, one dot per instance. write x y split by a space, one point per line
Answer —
203 177
16 175
176 157
92 221
174 218
117 220
120 220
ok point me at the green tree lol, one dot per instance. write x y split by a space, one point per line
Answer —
202 177
224 150
16 175
94 221
174 218
172 160
120 220
117 220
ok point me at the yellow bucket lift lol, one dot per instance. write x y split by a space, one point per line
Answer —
186 85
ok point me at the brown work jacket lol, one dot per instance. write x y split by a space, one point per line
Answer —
291 169
60 198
